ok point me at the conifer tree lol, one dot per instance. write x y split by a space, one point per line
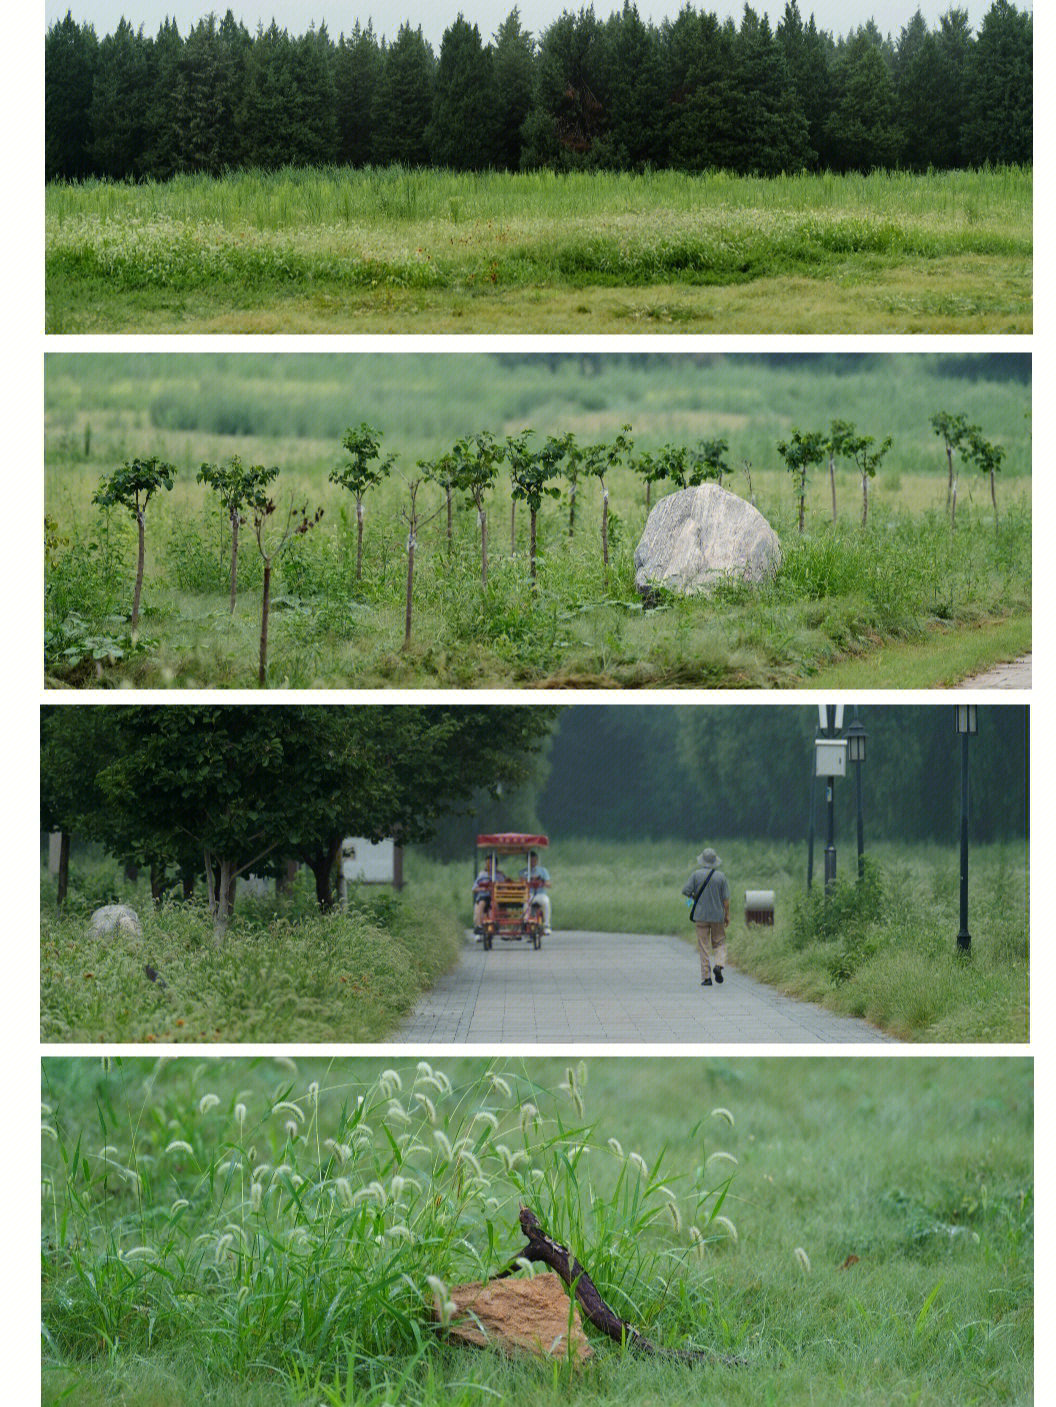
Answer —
70 57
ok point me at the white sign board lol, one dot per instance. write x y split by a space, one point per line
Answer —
368 861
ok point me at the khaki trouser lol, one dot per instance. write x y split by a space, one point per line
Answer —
711 945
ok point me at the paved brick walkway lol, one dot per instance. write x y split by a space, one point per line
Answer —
1016 674
612 987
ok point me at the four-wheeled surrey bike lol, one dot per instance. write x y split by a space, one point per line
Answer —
509 912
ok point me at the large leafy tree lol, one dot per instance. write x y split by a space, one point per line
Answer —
70 57
230 789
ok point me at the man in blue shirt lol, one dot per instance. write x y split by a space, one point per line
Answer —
538 877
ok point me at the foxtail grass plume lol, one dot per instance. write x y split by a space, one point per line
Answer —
728 1226
804 1260
722 1113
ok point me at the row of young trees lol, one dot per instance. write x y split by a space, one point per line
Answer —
471 468
210 793
695 93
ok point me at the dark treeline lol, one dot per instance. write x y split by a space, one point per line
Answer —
709 773
695 93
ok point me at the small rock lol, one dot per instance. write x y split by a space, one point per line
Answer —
529 1316
115 918
695 537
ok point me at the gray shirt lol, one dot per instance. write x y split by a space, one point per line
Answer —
710 908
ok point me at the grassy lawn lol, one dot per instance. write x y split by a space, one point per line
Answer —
947 657
284 972
842 592
398 250
259 1232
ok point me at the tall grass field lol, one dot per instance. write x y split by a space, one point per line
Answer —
841 593
395 249
286 973
268 1233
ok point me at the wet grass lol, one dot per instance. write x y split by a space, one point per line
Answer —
226 1230
362 250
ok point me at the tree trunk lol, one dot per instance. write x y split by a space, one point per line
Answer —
648 493
802 501
572 511
949 476
482 516
64 869
157 882
953 505
605 525
188 888
265 607
359 538
513 527
410 593
321 863
531 542
220 880
234 558
832 485
447 492
865 498
139 572
993 497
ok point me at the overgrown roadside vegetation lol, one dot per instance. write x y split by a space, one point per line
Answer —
338 615
285 972
247 1232
890 957
342 250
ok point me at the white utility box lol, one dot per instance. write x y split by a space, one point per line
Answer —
830 756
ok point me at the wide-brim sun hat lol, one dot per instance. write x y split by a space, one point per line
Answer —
708 857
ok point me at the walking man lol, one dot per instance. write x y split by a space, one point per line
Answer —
708 896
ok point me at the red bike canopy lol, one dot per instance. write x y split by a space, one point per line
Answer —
512 840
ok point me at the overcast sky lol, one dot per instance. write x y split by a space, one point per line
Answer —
435 15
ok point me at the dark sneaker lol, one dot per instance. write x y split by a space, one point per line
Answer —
718 974
706 982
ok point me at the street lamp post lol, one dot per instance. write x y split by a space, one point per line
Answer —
856 754
966 721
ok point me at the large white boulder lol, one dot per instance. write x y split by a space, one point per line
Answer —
116 919
696 537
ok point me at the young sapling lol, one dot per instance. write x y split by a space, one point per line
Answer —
477 460
236 486
600 460
837 441
362 444
531 473
800 453
868 460
988 458
708 462
413 521
132 487
955 432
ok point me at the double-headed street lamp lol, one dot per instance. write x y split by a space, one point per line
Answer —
832 752
966 722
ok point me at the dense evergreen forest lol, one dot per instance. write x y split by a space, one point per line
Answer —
681 772
695 93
